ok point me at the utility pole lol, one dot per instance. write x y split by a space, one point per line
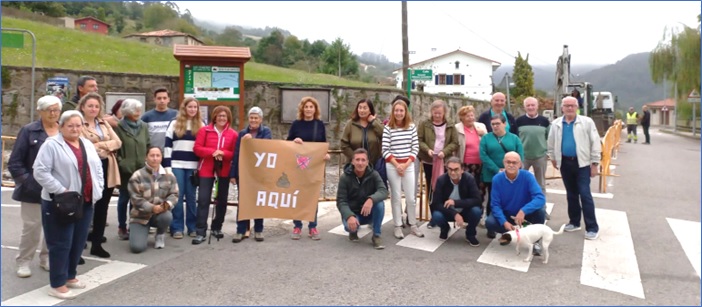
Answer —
405 47
339 62
509 109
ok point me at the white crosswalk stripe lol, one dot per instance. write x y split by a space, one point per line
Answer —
688 234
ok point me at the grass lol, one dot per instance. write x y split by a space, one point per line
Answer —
73 49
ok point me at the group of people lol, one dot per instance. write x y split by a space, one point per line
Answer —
158 161
633 119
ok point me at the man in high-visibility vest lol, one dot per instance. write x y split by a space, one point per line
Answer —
632 120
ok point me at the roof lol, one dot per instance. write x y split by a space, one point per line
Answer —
221 53
670 103
452 52
93 18
163 33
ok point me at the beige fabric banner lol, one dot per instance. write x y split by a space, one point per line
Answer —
280 179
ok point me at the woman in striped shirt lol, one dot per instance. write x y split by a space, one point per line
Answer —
181 161
400 148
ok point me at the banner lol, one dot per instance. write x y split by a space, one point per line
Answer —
280 179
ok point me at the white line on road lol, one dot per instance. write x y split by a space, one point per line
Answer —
38 251
609 262
506 256
6 189
362 232
94 278
596 195
688 234
430 242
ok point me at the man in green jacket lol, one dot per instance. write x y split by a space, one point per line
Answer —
361 198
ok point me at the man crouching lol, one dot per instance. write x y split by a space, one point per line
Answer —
360 198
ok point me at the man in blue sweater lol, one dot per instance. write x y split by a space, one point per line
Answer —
516 197
158 118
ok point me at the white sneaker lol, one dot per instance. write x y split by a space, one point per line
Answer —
160 241
23 271
415 231
69 295
398 232
44 265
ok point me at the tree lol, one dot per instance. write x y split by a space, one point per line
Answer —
156 14
338 60
292 51
119 22
316 49
230 36
180 25
270 49
523 77
677 59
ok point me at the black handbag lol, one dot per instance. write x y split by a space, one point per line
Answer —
69 205
195 176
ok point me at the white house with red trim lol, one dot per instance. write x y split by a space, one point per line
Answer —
457 73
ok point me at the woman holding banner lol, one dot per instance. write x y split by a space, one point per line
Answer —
214 145
363 130
307 128
400 148
256 130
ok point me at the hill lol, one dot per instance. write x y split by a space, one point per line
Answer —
544 76
87 51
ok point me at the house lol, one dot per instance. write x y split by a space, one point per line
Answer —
68 22
166 38
457 73
91 24
662 112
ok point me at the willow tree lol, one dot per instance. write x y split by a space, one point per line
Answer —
677 59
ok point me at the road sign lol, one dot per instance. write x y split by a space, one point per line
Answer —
13 40
421 75
665 109
694 97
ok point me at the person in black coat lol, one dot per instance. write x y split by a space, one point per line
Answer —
457 198
497 106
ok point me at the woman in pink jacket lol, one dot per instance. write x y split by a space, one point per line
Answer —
214 145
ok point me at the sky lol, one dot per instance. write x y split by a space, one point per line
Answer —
596 32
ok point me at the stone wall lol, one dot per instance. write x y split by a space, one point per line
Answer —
16 98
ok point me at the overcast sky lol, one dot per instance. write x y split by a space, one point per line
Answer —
596 32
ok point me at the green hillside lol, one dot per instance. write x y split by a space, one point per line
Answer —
72 49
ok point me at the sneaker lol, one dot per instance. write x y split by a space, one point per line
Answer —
431 224
258 236
237 237
537 249
415 231
81 261
571 228
199 239
217 234
591 235
353 236
75 284
68 295
491 234
44 266
160 241
23 271
378 242
178 235
473 241
296 234
444 233
192 234
123 234
398 232
314 234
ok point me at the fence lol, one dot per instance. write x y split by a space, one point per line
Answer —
610 149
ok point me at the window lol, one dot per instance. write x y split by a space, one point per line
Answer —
457 64
95 27
442 79
457 79
82 26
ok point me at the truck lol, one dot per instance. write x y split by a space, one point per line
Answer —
597 105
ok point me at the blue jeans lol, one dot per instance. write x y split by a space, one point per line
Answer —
470 216
187 190
298 224
122 202
65 242
536 217
376 216
577 183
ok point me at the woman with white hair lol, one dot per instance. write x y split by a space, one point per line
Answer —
24 152
60 167
438 140
256 130
134 134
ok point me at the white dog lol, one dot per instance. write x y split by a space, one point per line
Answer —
527 236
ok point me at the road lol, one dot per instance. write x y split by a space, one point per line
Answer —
648 253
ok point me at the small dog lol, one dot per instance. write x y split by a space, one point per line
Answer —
528 235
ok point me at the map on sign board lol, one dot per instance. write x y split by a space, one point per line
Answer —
212 82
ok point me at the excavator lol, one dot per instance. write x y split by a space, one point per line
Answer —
597 105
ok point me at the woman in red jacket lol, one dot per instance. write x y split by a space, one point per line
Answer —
214 145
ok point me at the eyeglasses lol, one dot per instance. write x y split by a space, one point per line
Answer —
569 106
53 111
495 124
511 162
454 170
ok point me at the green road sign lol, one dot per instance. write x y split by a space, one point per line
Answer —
421 75
13 40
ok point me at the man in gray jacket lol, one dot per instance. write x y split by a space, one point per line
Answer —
361 198
574 147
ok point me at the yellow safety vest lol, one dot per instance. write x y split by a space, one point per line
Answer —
631 118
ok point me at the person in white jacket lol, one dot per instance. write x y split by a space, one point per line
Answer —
57 169
574 147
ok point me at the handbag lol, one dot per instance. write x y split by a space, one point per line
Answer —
499 141
69 205
195 176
